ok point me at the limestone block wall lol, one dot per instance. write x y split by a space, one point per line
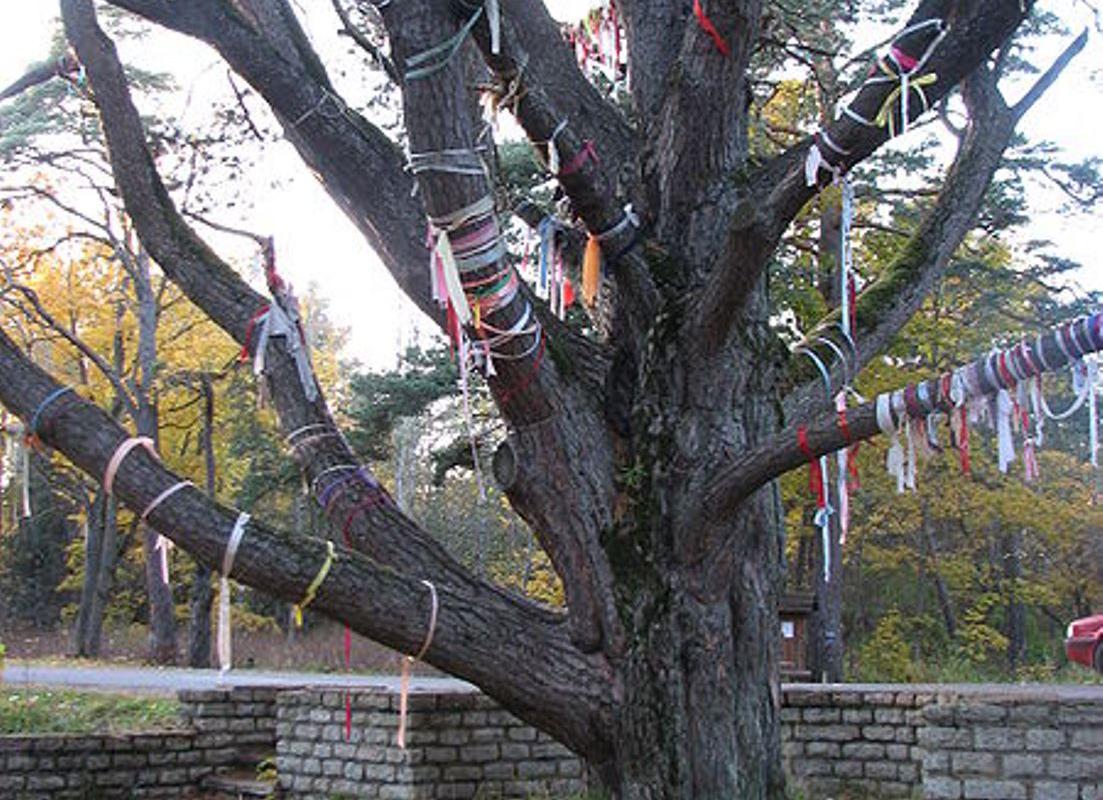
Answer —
1033 745
459 745
215 728
862 737
243 717
68 767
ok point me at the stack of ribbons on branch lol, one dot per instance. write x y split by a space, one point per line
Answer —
548 274
1004 390
899 69
598 42
463 245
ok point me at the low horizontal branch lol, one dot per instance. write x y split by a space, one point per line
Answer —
831 432
480 637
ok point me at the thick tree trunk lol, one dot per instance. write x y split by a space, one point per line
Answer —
1016 612
109 559
699 712
930 546
826 628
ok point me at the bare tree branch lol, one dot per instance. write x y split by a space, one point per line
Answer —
365 44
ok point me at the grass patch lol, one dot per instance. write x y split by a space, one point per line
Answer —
54 711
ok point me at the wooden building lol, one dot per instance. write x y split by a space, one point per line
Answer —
794 612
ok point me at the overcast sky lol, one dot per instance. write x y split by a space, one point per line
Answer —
316 243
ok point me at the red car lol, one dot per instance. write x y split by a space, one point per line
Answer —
1084 642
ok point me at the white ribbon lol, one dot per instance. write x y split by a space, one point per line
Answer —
1003 430
225 644
277 322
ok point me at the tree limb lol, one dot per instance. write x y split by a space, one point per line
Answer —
831 432
886 305
62 67
389 606
761 207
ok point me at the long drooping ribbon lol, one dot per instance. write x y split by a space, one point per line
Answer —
1004 439
409 661
894 461
276 322
710 29
162 544
315 584
25 480
818 484
592 259
225 640
1093 413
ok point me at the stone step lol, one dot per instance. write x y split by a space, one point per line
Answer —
237 784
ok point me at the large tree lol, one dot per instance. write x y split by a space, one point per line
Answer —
644 455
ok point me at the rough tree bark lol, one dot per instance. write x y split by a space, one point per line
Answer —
645 461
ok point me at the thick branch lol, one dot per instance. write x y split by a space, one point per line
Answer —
481 637
356 162
831 432
885 306
762 208
592 188
376 529
555 416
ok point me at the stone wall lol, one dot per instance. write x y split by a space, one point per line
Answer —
936 742
459 745
244 717
1044 744
216 727
861 737
145 765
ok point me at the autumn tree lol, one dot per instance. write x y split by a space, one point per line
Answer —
644 454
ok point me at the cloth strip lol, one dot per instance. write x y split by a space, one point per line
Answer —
163 496
121 452
409 661
225 643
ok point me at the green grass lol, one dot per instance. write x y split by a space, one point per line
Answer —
51 711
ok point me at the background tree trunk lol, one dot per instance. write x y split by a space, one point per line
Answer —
162 609
202 593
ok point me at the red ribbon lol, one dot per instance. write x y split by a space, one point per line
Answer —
815 472
575 164
244 355
710 29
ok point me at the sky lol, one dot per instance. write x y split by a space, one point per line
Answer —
317 244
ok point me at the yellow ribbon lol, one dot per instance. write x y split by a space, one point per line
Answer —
884 114
315 584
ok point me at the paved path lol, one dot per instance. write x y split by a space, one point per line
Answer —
166 680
